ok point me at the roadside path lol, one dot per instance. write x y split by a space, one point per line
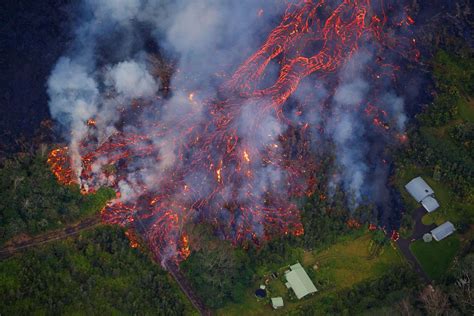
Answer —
62 233
183 283
418 232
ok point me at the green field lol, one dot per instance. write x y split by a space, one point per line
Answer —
466 110
336 268
435 257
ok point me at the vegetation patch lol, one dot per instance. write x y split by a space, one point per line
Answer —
441 150
96 273
435 257
32 201
344 264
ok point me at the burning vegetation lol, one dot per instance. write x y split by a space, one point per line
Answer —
237 157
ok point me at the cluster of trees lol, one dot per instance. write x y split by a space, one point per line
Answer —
323 220
443 141
32 201
463 135
97 273
455 296
219 273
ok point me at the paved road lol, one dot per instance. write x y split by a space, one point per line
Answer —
183 283
14 248
418 232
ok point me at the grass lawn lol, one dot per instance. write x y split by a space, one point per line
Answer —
451 208
345 264
404 175
466 110
435 257
335 268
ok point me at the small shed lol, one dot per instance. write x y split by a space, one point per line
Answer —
430 204
299 281
443 231
277 302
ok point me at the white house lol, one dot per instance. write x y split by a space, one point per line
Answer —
422 193
299 281
443 231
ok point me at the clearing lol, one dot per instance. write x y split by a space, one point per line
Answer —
338 267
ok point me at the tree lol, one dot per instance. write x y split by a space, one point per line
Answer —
435 301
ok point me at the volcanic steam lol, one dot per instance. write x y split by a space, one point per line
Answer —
230 140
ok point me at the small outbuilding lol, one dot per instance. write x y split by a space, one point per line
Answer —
430 204
277 302
422 193
299 281
443 231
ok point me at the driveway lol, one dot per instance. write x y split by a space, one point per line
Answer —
418 232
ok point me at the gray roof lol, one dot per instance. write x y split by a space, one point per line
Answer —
430 204
277 302
443 231
300 281
419 189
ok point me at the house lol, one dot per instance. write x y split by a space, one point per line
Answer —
422 193
299 281
443 231
277 302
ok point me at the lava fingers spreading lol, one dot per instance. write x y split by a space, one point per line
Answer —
237 169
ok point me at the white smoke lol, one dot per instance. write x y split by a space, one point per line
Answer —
74 97
132 80
347 127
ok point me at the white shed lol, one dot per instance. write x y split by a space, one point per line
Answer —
277 302
430 204
443 231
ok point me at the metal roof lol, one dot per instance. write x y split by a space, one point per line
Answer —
277 302
300 281
443 231
419 189
430 204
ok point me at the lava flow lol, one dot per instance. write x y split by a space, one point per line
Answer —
231 169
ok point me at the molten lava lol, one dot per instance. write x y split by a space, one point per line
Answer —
213 155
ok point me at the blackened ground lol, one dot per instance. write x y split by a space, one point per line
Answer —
33 36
